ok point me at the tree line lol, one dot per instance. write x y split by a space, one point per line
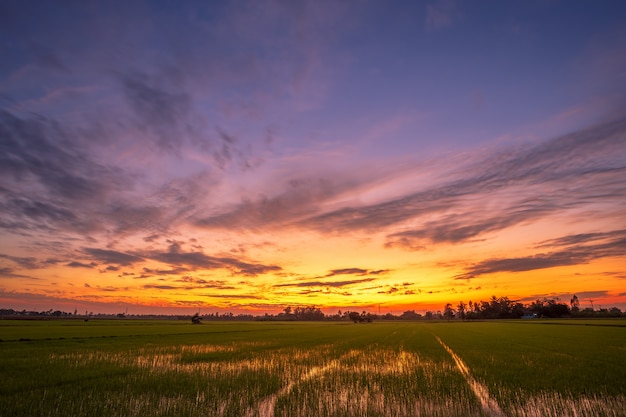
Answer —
493 308
504 308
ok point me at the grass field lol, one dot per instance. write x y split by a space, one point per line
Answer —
173 368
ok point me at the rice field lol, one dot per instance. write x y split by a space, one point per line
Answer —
261 369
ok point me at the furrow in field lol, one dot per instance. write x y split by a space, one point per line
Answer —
489 405
266 406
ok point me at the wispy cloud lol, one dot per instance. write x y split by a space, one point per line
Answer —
457 228
615 274
43 149
582 238
326 285
189 285
592 294
355 271
112 257
48 171
347 271
566 297
27 262
574 252
76 264
335 284
7 272
173 271
161 287
158 109
175 256
300 198
569 172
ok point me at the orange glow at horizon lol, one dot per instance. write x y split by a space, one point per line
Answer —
388 281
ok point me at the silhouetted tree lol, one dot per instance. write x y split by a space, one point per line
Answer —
367 317
448 312
354 316
308 313
549 308
574 304
461 309
410 315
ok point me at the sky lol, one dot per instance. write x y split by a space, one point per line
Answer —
245 156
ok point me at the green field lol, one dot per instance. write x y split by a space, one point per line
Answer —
174 368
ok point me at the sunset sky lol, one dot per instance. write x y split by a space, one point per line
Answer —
243 156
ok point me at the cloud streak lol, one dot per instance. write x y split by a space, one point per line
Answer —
594 158
334 284
7 272
486 195
175 256
573 252
158 110
112 257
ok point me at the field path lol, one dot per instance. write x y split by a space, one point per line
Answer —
489 405
266 405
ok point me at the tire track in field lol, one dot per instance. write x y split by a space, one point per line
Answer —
489 405
266 405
